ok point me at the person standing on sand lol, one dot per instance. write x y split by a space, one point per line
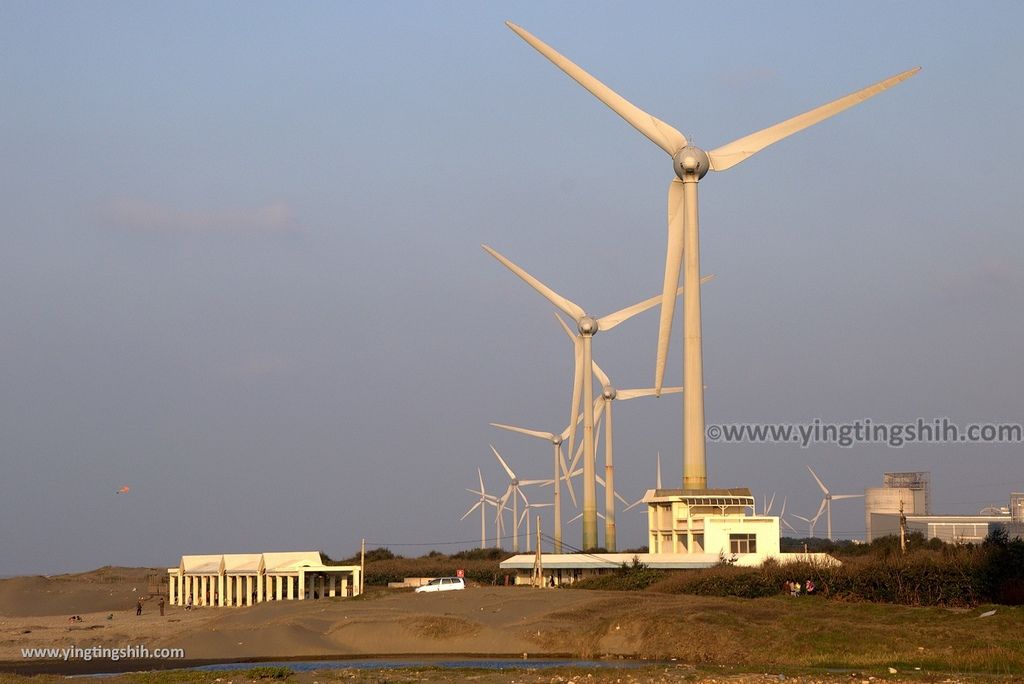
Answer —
138 607
161 604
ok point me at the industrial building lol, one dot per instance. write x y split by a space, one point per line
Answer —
911 491
954 529
242 579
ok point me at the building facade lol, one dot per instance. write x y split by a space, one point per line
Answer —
243 579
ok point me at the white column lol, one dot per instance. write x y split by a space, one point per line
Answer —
259 589
291 587
220 590
302 586
333 588
277 587
344 586
170 588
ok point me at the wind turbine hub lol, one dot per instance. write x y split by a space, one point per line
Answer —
587 326
691 163
609 392
556 440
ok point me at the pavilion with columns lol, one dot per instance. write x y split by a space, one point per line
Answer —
242 579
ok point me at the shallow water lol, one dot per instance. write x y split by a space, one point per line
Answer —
377 664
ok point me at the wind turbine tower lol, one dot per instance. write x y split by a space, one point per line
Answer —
690 164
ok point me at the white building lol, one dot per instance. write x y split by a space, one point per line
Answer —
708 521
687 529
241 579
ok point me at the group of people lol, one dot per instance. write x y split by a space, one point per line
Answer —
138 605
797 588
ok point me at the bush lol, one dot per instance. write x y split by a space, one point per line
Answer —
629 577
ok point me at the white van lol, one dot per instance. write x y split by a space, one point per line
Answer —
443 584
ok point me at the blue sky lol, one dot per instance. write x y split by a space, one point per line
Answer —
241 269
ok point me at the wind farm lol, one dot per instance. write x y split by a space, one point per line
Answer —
278 275
690 164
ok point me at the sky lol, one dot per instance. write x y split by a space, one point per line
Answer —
241 268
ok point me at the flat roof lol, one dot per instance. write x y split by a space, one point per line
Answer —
655 561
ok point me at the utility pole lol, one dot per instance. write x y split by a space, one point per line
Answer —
362 566
538 565
903 530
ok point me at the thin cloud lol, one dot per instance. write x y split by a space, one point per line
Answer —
138 214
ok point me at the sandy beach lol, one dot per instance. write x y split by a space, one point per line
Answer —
689 633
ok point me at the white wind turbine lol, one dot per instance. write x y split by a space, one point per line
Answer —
690 164
588 327
609 394
560 470
781 517
482 503
526 514
515 492
811 521
828 498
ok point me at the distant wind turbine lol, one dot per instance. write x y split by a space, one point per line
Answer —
588 327
484 499
826 501
560 471
515 492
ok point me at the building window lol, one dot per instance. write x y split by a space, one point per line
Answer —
743 543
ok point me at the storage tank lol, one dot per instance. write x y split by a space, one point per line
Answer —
912 489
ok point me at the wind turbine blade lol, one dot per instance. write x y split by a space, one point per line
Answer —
600 481
577 388
522 495
733 153
503 499
634 504
524 431
579 454
511 475
475 506
524 483
622 315
784 522
570 308
821 509
600 375
782 513
598 410
567 478
670 286
658 132
646 392
657 483
817 479
768 506
481 476
836 497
